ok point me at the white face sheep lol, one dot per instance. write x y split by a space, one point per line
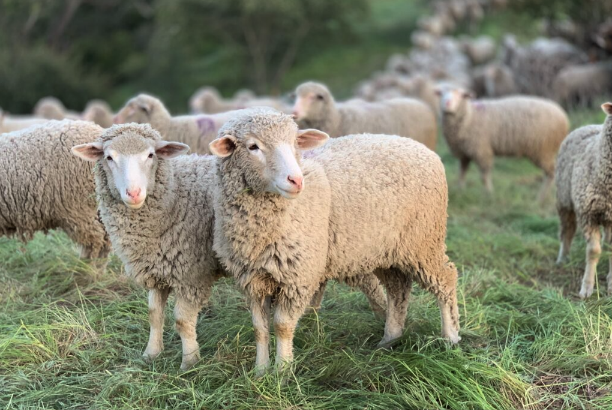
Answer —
479 130
583 178
285 224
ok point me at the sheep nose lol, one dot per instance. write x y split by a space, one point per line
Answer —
133 193
117 119
295 114
296 181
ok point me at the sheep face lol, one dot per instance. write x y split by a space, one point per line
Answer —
451 99
138 110
312 102
129 161
269 158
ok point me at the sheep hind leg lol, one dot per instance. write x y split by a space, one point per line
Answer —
371 287
549 178
317 298
485 171
593 251
260 314
157 304
608 239
186 317
567 230
398 286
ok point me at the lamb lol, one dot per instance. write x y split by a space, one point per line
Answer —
100 112
519 126
583 194
581 84
285 224
197 131
51 108
315 107
44 187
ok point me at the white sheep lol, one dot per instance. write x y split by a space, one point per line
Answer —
480 130
285 224
581 84
52 109
315 107
99 112
10 123
584 171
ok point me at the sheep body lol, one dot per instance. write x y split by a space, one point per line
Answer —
99 112
405 117
581 84
51 108
44 187
11 123
583 194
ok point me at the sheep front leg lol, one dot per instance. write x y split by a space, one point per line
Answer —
157 304
449 313
608 239
260 314
464 164
186 317
593 251
286 316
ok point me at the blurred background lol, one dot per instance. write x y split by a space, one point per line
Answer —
77 50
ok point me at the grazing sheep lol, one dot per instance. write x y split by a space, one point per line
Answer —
584 170
100 112
581 84
285 224
51 108
197 131
514 126
158 214
44 187
315 107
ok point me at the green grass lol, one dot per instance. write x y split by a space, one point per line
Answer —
72 339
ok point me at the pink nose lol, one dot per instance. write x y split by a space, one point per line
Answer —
296 181
117 119
133 193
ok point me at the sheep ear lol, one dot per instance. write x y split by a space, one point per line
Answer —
89 152
311 138
607 108
146 107
224 146
167 150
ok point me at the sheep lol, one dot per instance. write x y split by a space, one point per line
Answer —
100 112
480 50
158 214
10 123
518 126
194 130
583 194
207 100
285 224
44 187
315 107
52 109
581 84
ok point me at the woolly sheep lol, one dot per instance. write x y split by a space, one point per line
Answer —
315 107
584 169
44 187
480 50
519 126
99 112
52 109
10 123
207 100
285 224
194 130
581 84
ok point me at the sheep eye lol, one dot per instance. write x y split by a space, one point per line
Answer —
151 155
320 97
253 147
109 158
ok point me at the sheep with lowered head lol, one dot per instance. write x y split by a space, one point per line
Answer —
285 224
315 107
197 131
44 187
480 130
584 171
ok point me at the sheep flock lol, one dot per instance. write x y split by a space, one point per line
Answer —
282 194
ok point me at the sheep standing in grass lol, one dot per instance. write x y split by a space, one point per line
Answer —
197 131
584 171
480 130
363 205
44 187
164 242
315 107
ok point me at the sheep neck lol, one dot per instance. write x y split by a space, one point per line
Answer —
454 124
603 173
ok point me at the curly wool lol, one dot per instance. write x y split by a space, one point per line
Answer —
168 242
405 117
45 187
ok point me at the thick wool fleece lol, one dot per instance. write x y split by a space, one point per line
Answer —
44 186
405 117
583 176
197 131
168 242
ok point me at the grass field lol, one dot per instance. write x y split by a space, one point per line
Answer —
72 339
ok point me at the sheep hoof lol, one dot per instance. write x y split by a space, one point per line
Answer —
150 355
585 293
189 361
387 344
453 338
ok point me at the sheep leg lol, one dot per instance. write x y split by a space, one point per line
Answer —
186 317
464 164
608 239
371 287
593 251
567 230
157 304
485 170
549 178
315 303
449 313
286 316
398 286
260 314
